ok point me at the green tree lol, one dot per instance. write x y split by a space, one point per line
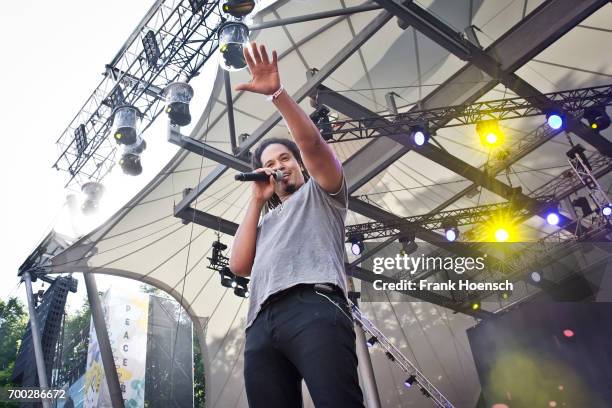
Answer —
13 321
76 339
198 374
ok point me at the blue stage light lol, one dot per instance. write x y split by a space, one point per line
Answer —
410 380
451 234
555 120
552 218
419 135
607 210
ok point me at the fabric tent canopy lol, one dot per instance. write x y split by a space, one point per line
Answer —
146 242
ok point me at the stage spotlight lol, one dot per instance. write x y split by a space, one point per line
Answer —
178 95
552 218
357 245
217 248
372 341
419 136
475 305
130 159
451 232
227 277
151 48
583 204
241 292
597 117
490 133
410 380
233 37
126 121
607 210
554 120
408 245
535 276
320 117
234 284
93 193
502 234
239 8
576 152
505 295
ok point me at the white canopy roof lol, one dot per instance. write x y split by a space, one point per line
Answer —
146 242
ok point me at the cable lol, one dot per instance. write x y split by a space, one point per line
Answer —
187 261
403 332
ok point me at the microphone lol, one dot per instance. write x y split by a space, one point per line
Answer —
254 176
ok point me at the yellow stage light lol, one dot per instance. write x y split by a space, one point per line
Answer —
501 234
490 133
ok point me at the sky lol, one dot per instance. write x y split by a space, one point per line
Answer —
53 56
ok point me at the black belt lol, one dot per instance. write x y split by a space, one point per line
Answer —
326 288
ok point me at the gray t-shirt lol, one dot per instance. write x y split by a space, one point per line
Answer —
301 241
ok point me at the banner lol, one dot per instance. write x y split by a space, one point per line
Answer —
126 317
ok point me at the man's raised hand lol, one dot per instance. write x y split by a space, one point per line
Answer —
265 78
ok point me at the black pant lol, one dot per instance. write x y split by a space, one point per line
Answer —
301 334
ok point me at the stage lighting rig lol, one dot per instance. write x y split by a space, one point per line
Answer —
151 48
80 138
555 119
130 159
220 263
583 204
233 37
490 133
320 117
597 117
357 245
408 244
535 277
577 152
227 277
241 287
178 95
217 256
126 119
239 8
451 232
372 341
419 136
242 292
93 193
502 234
552 218
410 380
394 355
583 169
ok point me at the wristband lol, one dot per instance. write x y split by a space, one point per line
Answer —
275 94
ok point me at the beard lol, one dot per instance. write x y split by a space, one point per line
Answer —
290 188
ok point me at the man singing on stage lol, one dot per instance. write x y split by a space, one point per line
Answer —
299 324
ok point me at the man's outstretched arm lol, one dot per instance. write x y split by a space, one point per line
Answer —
319 158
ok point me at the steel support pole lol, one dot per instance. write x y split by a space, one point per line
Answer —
366 371
230 109
315 16
370 390
38 352
97 315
